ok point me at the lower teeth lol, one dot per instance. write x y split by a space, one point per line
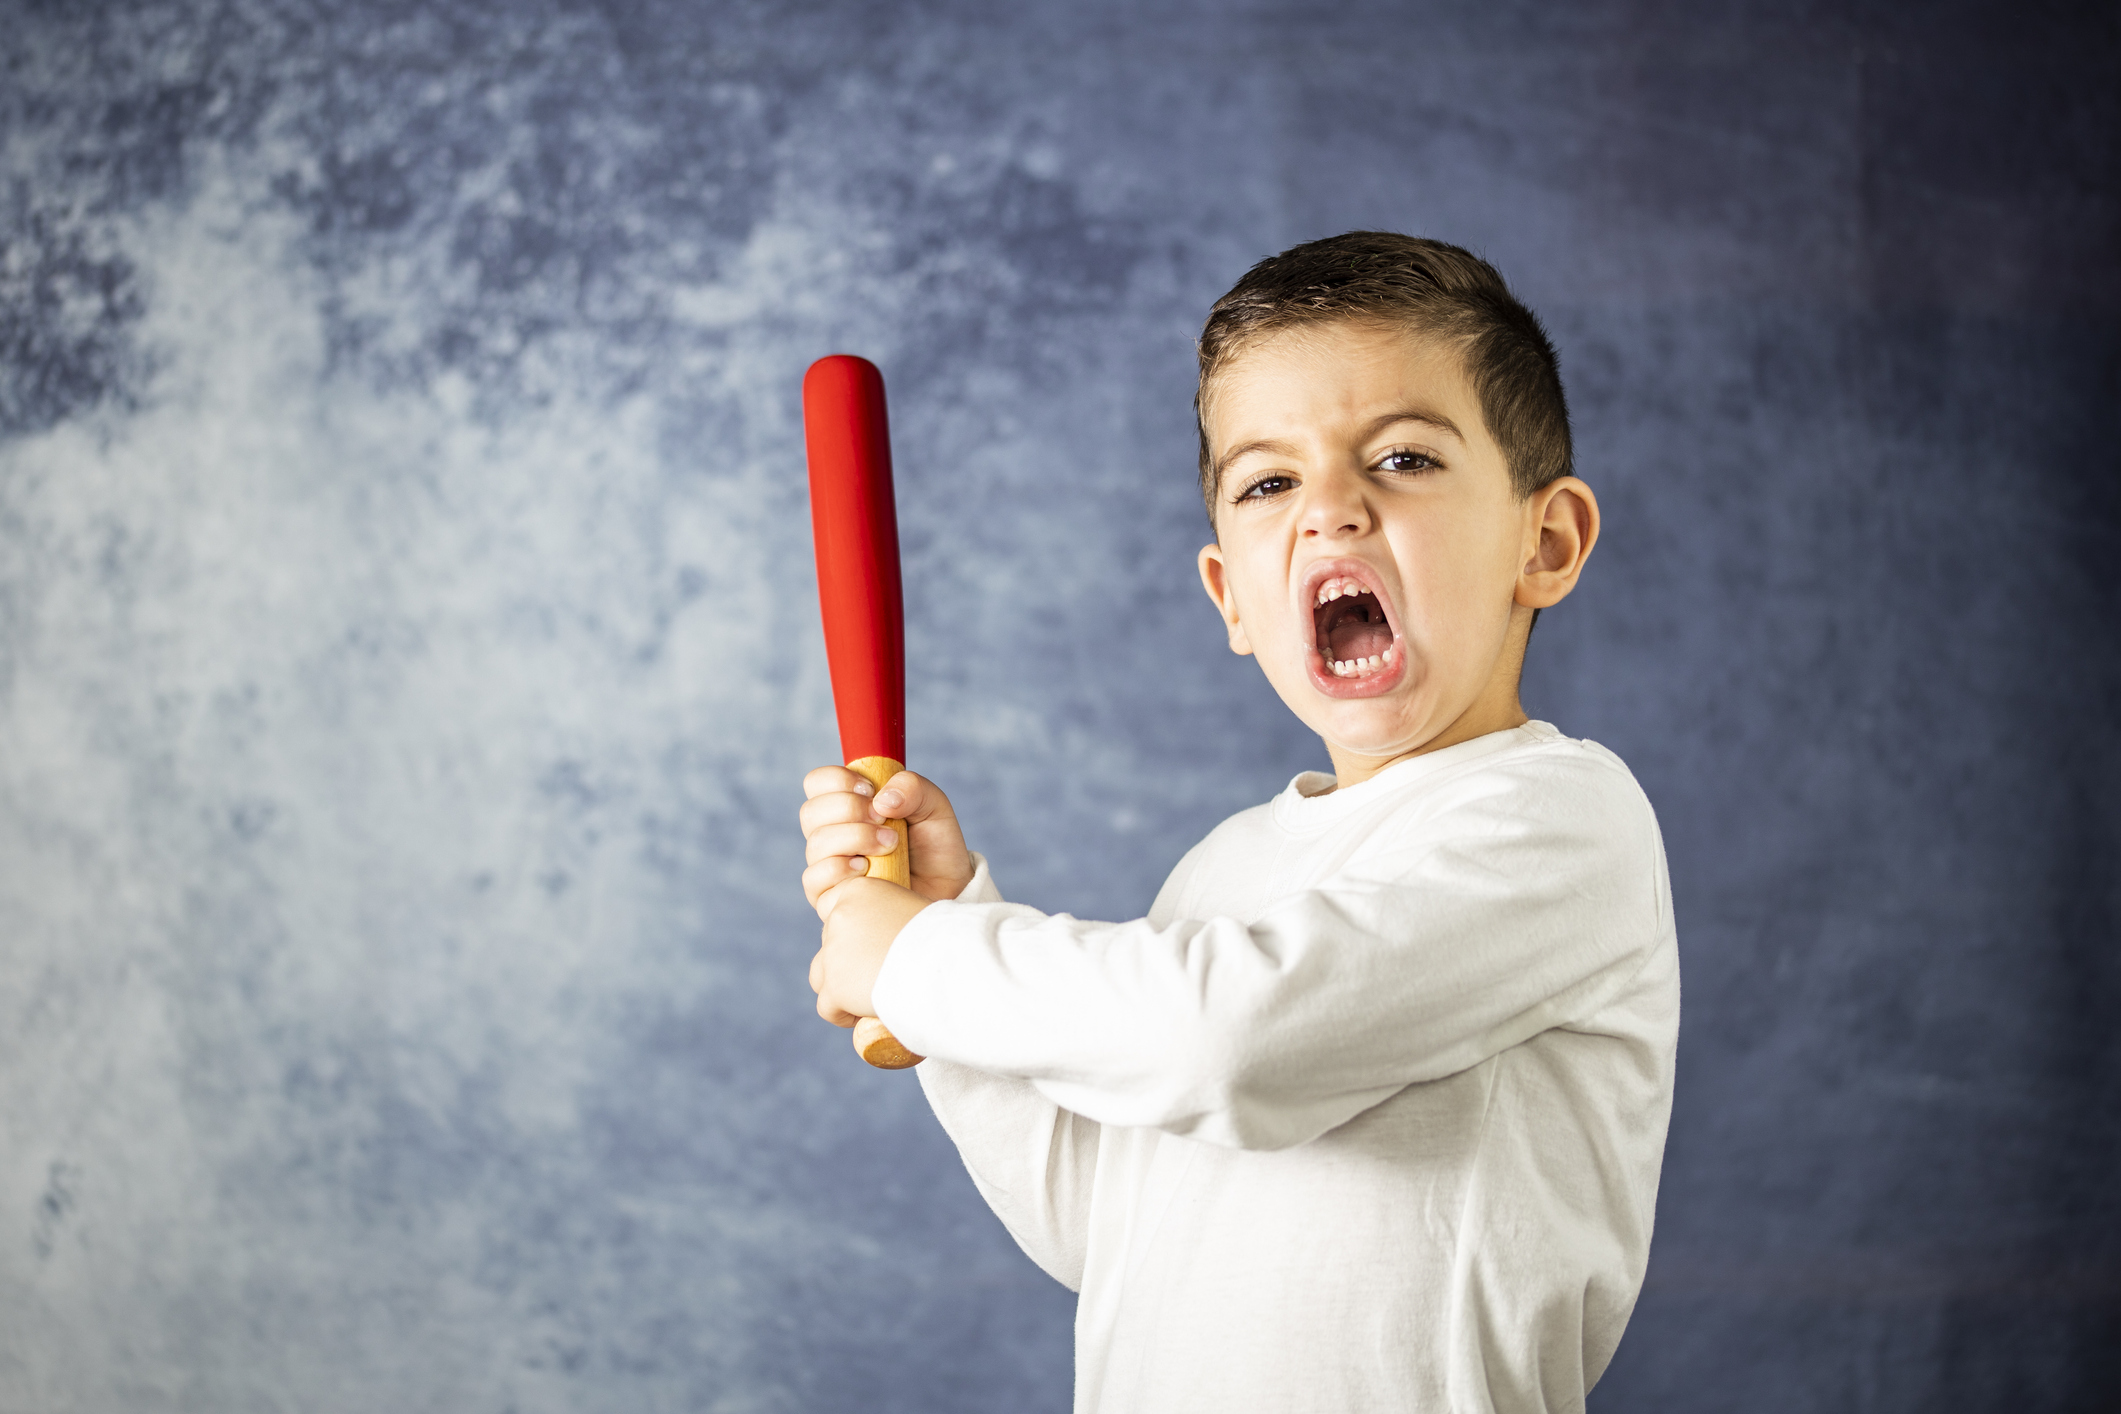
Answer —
1350 667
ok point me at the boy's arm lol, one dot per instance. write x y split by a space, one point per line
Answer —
1525 908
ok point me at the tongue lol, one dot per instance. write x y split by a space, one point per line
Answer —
1356 639
1354 628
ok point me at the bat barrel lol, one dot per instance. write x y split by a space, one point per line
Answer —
856 524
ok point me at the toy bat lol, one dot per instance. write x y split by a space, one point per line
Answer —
856 527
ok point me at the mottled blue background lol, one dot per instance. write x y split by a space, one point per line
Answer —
408 654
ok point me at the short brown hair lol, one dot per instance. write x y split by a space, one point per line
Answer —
1444 290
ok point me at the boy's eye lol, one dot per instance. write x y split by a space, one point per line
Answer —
1404 460
1265 487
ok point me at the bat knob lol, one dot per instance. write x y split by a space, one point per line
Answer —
876 1045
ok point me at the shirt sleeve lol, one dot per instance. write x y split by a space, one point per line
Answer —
1033 1161
1528 904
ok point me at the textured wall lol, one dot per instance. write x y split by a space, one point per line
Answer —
408 654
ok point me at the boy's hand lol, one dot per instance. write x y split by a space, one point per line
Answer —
843 824
862 919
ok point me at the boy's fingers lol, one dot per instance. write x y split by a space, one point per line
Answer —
827 874
835 808
829 841
828 780
843 1019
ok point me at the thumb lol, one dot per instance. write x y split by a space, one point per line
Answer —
912 798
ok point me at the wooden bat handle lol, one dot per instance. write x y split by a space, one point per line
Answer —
872 1039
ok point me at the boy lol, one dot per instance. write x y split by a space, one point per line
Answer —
1367 1114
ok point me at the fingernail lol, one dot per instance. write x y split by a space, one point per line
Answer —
859 864
890 800
864 788
887 838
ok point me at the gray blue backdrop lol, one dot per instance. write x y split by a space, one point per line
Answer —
408 654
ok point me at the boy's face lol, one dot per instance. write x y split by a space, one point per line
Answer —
1371 551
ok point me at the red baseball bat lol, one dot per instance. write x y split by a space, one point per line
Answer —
856 526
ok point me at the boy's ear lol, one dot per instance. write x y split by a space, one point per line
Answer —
1560 528
1215 578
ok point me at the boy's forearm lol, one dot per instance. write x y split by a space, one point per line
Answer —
1267 1035
1096 1016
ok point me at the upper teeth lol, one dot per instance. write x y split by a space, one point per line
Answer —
1334 588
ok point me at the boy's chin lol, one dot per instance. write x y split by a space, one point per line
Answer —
1380 716
1372 725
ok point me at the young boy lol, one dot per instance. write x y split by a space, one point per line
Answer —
1367 1113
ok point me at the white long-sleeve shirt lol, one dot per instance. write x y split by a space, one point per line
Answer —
1367 1114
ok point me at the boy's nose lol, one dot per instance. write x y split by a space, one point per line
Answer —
1335 509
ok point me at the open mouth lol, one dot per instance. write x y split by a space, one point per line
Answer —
1356 649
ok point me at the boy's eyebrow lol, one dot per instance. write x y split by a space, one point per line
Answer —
1434 419
1273 447
1246 449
